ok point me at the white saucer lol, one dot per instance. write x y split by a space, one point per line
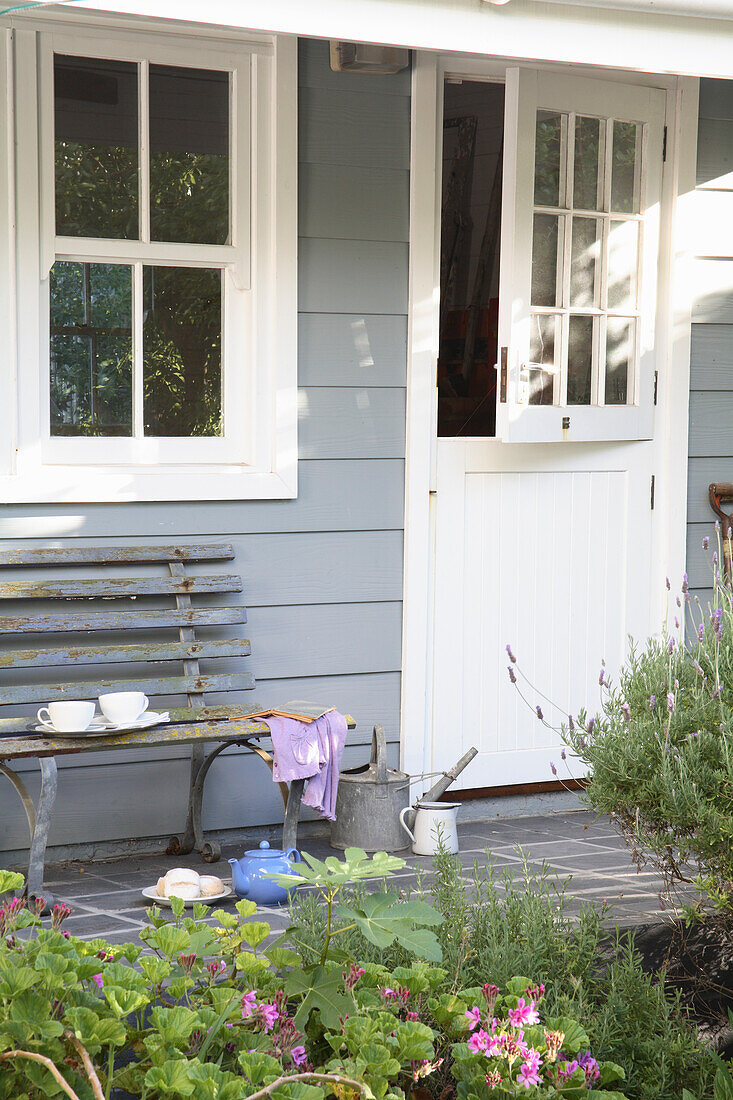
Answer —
149 718
97 725
150 892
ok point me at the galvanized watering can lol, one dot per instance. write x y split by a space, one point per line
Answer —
368 803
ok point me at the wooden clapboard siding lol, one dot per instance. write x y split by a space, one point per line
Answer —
711 354
322 574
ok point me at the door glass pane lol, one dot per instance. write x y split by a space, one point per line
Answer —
189 155
537 376
623 259
585 254
580 360
545 253
587 179
182 318
473 133
550 142
96 147
549 162
625 167
619 356
91 349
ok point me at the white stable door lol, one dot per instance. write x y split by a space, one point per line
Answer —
546 546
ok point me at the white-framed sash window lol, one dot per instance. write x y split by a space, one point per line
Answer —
155 266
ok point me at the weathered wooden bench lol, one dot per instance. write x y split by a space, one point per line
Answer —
129 632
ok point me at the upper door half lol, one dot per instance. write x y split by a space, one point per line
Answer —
582 185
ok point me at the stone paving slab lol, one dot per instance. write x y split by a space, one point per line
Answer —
106 897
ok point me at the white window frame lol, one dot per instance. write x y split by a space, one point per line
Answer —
256 457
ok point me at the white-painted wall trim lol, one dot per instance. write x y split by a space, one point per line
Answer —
422 347
636 40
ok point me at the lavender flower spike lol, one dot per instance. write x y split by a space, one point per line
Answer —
670 646
553 768
627 711
512 675
602 677
652 702
540 715
562 754
571 723
670 701
668 583
705 542
700 632
511 656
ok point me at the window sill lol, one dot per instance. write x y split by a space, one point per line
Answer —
122 485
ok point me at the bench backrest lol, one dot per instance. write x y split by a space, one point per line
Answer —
81 621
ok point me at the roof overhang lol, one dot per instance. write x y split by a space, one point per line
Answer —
634 35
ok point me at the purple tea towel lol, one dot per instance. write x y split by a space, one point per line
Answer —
312 751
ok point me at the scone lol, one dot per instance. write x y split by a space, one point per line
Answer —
180 882
211 885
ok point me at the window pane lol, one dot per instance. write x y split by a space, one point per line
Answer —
537 384
96 142
585 254
189 155
580 360
619 353
91 349
182 318
623 249
549 174
625 170
586 189
545 260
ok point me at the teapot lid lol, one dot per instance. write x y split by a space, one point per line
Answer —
264 851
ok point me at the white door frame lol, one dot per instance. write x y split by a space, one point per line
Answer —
675 297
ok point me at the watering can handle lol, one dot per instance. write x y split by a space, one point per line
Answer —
379 753
409 832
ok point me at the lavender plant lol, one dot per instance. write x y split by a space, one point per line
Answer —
659 751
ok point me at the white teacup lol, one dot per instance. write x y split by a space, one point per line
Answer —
68 715
123 707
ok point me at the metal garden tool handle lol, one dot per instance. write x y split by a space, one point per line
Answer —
718 492
379 758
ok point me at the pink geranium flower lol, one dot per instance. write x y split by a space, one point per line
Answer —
249 1003
270 1015
473 1015
98 980
524 1013
298 1055
479 1041
527 1076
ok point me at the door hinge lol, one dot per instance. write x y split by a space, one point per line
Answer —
651 495
504 358
664 145
656 385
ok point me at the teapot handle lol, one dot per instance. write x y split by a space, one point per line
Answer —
293 855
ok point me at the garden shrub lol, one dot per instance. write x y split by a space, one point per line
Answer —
499 924
660 751
220 1013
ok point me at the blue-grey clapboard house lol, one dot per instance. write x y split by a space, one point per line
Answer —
514 356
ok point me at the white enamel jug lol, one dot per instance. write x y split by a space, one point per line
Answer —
428 816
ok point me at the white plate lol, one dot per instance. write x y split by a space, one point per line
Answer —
150 892
149 718
98 725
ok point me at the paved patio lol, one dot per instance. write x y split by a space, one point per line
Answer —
106 899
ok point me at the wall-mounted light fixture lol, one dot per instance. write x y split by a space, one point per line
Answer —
359 57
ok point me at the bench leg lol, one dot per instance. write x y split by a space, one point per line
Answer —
292 812
193 835
39 822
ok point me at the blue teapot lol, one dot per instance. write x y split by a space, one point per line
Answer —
248 873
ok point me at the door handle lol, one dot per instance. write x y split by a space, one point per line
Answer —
503 372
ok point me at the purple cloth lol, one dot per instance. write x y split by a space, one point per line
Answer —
312 751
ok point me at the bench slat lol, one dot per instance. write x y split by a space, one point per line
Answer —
79 621
114 654
190 732
104 555
89 689
117 587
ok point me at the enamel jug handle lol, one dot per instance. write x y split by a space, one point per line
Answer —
404 826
